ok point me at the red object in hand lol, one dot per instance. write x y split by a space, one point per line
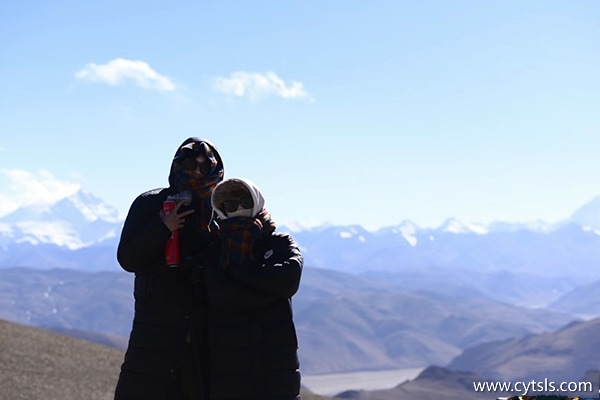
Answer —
172 256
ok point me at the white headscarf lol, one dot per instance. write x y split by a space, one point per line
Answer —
223 190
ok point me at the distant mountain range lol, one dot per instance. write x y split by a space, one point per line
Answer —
530 265
74 222
344 322
81 231
441 383
399 297
373 325
563 355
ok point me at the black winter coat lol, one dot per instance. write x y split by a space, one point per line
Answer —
168 311
251 334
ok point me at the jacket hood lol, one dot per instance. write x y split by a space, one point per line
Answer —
194 145
227 189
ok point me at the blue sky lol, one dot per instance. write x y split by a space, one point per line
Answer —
343 112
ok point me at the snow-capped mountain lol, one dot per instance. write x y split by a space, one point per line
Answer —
464 283
588 216
74 222
81 231
452 225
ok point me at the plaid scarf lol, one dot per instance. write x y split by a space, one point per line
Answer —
201 189
238 236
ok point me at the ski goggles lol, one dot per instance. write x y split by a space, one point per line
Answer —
232 205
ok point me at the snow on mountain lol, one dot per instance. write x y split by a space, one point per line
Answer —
593 230
588 215
352 232
535 226
83 219
452 225
88 205
407 230
76 221
82 223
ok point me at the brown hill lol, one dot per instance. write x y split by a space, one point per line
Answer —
432 384
436 383
39 365
345 323
563 355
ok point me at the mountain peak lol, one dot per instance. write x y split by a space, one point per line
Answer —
452 225
80 205
75 221
588 215
91 207
407 229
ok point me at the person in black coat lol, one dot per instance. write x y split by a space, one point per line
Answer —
164 358
255 272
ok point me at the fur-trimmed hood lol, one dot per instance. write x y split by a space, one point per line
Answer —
230 188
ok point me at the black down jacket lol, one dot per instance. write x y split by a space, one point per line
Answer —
165 350
251 334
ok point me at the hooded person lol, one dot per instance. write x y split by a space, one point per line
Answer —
164 358
255 272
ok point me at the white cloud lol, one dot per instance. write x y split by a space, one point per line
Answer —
255 85
23 188
119 71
